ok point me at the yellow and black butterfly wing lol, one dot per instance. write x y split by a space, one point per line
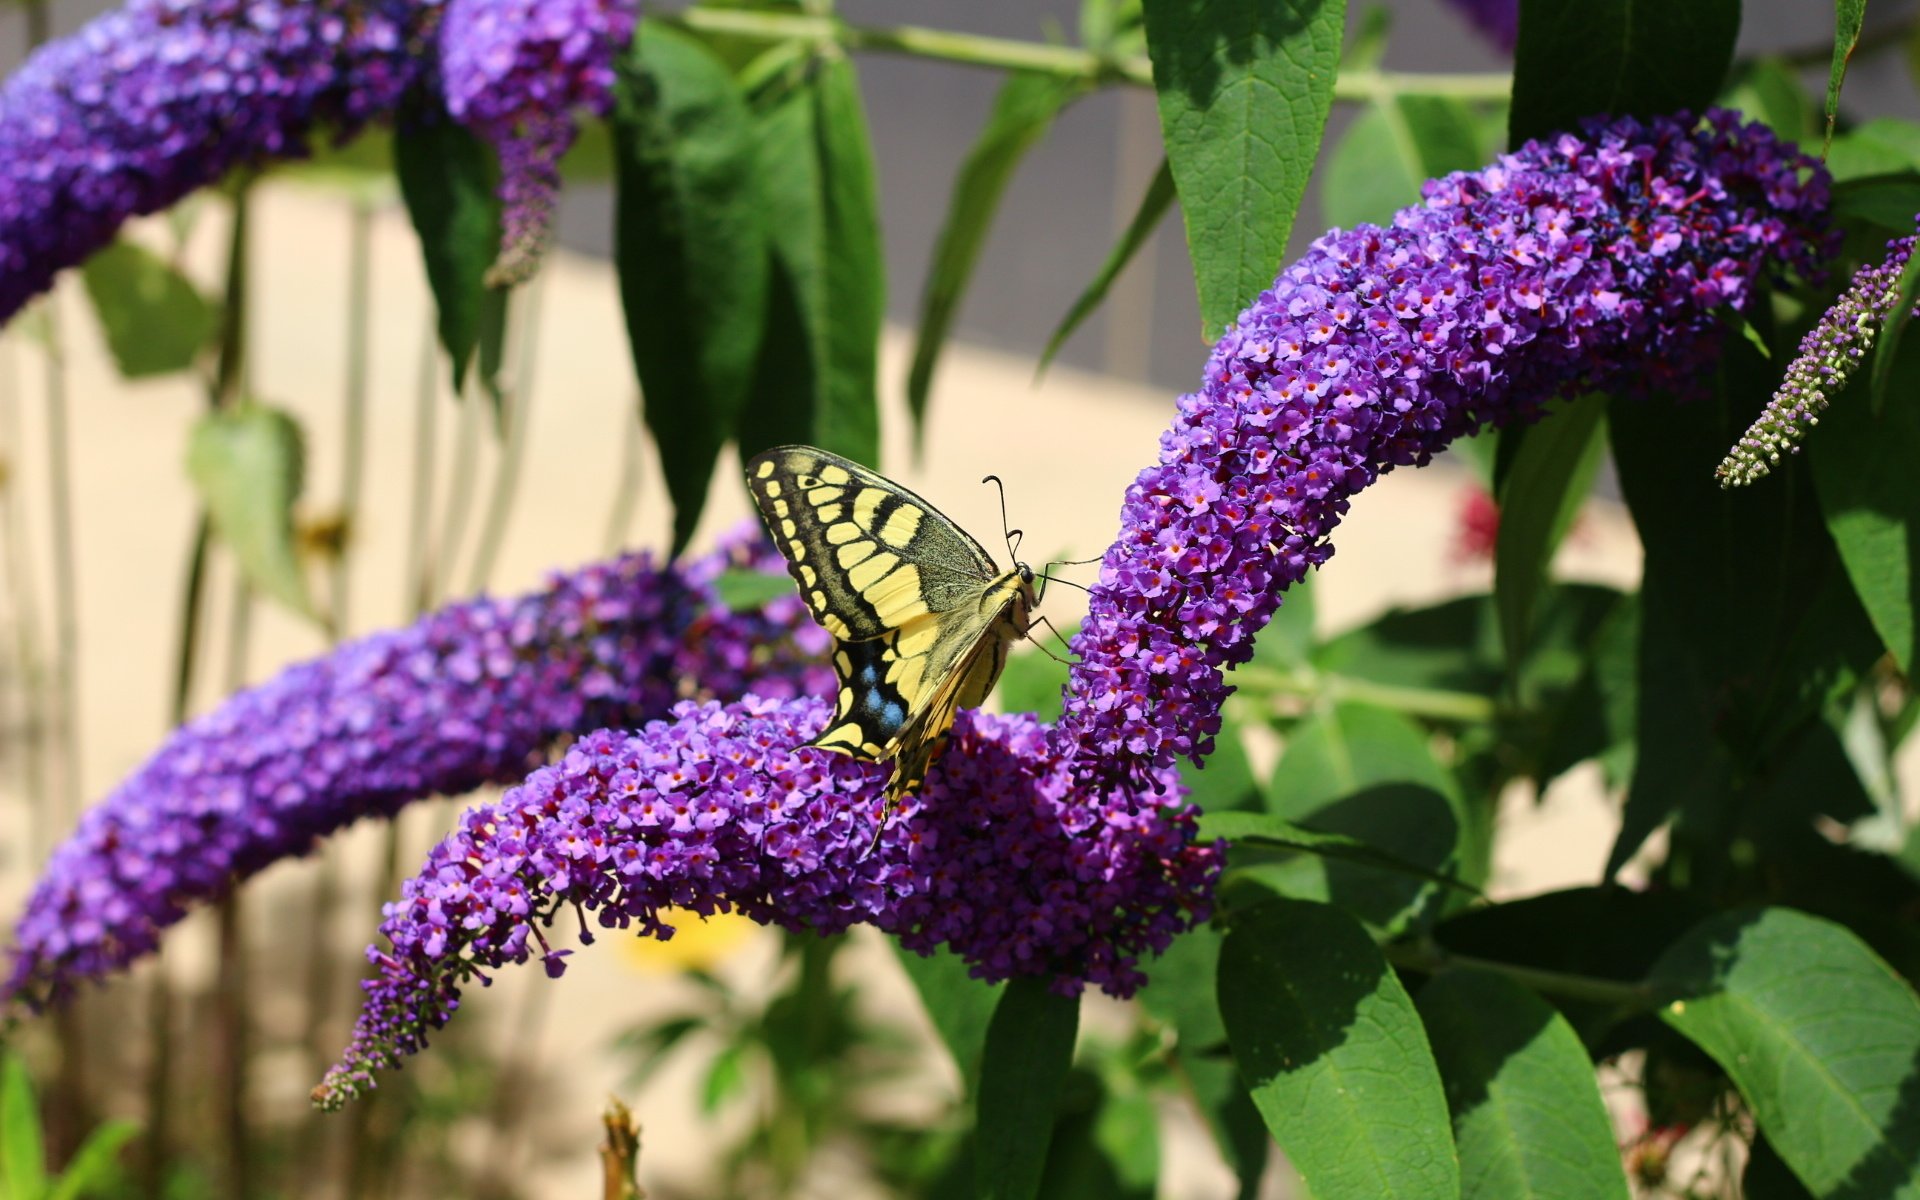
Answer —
869 555
920 613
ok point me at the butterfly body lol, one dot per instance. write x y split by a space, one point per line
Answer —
921 616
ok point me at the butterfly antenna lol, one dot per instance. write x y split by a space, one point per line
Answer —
1061 579
1064 644
1012 536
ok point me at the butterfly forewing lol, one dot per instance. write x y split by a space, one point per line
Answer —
920 613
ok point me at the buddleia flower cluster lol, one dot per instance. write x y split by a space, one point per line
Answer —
474 693
1067 854
1828 354
1578 263
147 103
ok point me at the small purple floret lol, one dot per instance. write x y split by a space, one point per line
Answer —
1600 261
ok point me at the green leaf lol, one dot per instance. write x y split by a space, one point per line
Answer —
1882 146
1848 16
1022 114
248 466
1886 200
1334 1055
154 319
447 178
21 1144
1819 1035
1244 89
1390 150
690 248
1527 1114
1278 833
816 379
1619 57
1344 748
1861 466
1153 208
1029 1047
959 1005
745 591
1539 498
95 1164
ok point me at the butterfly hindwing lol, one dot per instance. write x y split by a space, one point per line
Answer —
920 614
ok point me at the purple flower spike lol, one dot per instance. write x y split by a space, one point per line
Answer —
149 102
1002 858
518 72
1829 352
145 104
1566 266
472 694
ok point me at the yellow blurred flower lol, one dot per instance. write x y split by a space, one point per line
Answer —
697 942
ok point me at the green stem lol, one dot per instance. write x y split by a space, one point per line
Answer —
461 479
626 489
426 404
66 587
516 415
24 599
1433 703
1431 958
1066 62
353 432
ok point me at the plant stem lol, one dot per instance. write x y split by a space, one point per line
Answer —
1434 703
426 403
462 477
231 998
353 431
619 1154
626 494
516 413
1067 62
1432 958
24 599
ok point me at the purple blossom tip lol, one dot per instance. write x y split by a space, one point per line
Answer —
1001 857
472 694
1829 352
1599 261
521 73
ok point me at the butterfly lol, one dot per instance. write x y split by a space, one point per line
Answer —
921 616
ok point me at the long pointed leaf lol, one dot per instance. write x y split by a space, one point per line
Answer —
1022 113
1539 498
447 180
1153 209
690 247
1848 17
1245 87
817 376
1029 1047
